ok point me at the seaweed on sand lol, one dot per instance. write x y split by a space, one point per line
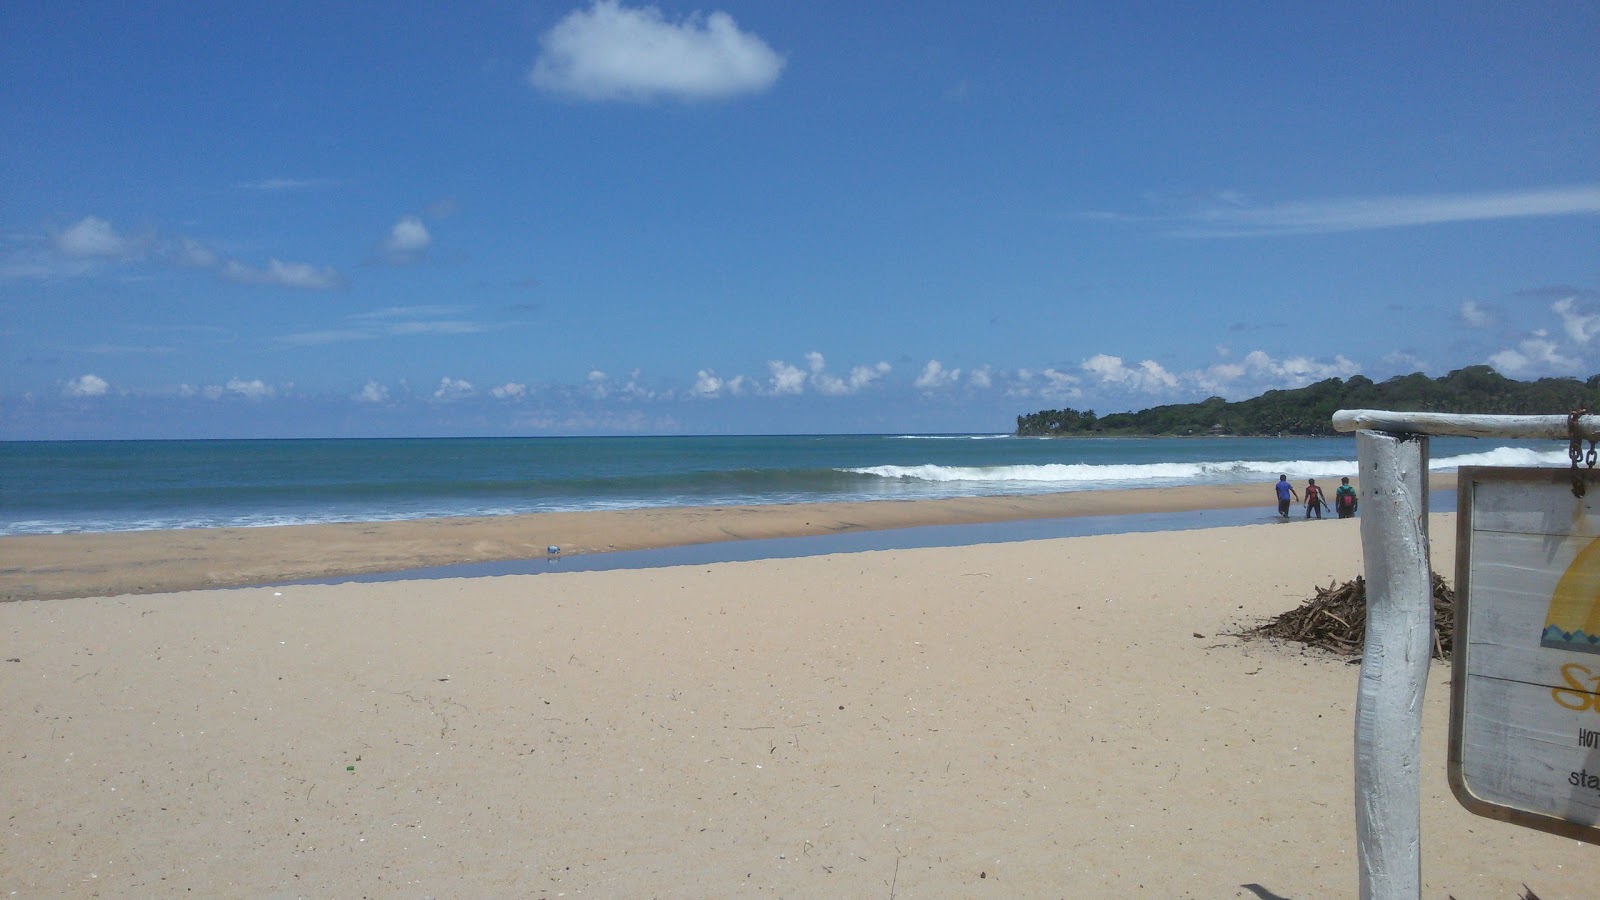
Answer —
1336 619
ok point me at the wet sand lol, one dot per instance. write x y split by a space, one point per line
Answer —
140 562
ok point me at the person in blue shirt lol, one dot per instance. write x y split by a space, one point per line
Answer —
1286 492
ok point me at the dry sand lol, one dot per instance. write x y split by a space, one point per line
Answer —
1059 718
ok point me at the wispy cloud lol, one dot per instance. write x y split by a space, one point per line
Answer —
283 274
93 238
284 184
393 321
613 52
1240 219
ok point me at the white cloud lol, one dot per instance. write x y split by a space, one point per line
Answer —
94 238
372 392
1148 377
511 390
1474 315
786 379
835 386
192 254
453 389
1579 326
935 375
1049 384
1260 371
613 52
407 240
980 378
597 384
707 385
255 389
1237 219
284 184
295 275
861 376
87 386
1537 355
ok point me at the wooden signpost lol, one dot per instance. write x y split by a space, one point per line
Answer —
1498 680
1525 685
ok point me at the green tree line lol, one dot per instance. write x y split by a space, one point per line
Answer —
1309 410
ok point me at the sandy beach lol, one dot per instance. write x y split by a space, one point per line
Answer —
1045 718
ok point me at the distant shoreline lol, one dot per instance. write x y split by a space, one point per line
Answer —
59 566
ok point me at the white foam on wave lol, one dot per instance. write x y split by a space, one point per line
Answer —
1227 471
1515 457
952 437
1068 473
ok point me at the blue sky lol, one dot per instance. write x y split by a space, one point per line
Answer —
345 219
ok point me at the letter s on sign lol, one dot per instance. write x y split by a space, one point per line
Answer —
1576 697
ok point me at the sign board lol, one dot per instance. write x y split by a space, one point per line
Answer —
1525 686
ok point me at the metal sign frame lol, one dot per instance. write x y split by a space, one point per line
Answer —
1478 641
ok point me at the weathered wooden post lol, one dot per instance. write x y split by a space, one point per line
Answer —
1393 469
1392 453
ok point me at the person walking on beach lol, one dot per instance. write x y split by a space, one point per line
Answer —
1285 492
1314 501
1344 499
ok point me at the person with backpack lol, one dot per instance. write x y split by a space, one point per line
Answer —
1344 499
1314 501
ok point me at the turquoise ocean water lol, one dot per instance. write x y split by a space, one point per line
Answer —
78 486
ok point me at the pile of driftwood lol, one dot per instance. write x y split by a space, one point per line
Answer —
1336 619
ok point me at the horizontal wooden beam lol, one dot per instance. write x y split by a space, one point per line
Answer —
1458 425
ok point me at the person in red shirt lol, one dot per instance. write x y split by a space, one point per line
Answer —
1314 501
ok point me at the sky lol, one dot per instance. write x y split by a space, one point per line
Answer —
541 218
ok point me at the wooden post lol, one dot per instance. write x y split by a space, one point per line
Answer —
1394 667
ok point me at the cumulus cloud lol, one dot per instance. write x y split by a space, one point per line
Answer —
1260 371
786 379
87 386
1474 315
295 275
1147 377
254 389
407 240
860 377
1049 384
934 376
453 389
980 378
94 238
371 392
1579 325
614 52
511 390
1535 355
706 384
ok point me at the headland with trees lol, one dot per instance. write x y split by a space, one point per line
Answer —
1309 410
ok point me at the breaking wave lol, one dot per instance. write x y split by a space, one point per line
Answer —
1068 475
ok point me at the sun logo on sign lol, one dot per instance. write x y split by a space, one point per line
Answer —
1573 619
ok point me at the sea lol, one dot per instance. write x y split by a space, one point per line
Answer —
55 487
